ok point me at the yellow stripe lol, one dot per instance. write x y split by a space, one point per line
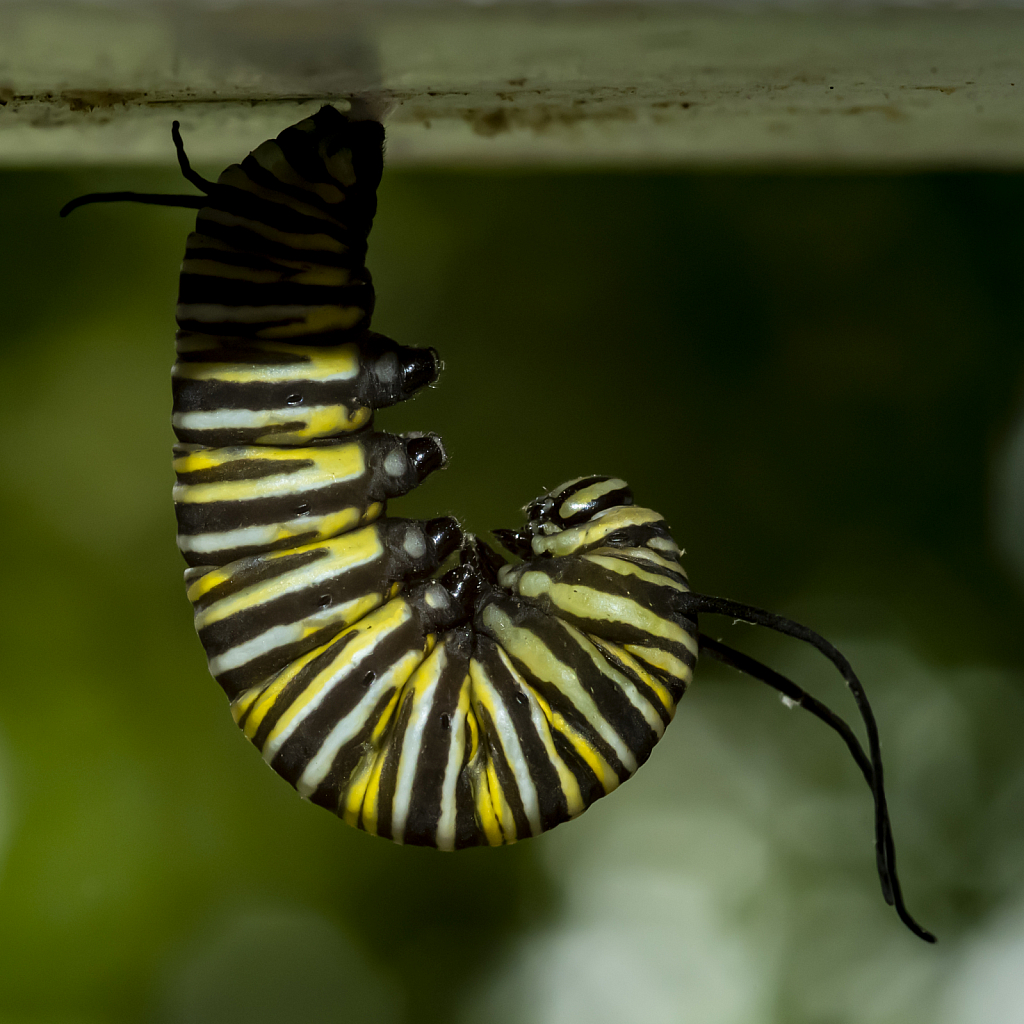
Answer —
231 272
474 735
315 241
658 688
525 646
305 363
481 698
318 320
368 633
646 554
324 422
626 568
567 781
663 662
330 465
598 605
267 699
270 695
338 555
270 157
352 798
236 177
620 681
608 778
485 809
197 240
371 795
578 538
500 805
244 701
579 500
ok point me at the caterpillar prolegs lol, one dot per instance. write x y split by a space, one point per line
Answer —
478 707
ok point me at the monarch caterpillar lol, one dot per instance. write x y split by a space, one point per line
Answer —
478 708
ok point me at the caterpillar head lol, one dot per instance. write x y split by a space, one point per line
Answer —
567 506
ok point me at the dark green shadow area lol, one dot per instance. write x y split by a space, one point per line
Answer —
811 376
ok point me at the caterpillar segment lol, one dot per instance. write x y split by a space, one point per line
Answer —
229 391
251 499
279 249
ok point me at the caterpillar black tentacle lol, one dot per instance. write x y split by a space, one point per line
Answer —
481 707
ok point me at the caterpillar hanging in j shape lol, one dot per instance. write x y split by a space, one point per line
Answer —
478 707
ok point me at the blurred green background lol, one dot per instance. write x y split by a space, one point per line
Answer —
817 378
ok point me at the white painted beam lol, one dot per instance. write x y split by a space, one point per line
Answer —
556 83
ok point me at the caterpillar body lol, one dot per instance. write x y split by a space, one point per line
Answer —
479 707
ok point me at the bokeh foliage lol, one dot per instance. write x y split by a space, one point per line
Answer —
811 375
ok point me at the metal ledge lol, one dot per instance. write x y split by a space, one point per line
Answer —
585 83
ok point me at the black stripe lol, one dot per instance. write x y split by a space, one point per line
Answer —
389 771
364 139
558 702
353 683
302 746
239 435
506 780
281 216
550 796
253 330
234 681
675 687
468 830
437 737
217 516
296 685
329 793
243 467
590 785
645 691
196 250
613 705
248 710
213 395
255 571
675 575
239 351
232 292
244 239
341 587
574 570
223 556
356 210
635 536
556 698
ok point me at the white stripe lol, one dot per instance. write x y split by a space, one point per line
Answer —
248 536
566 680
353 654
412 742
280 636
279 485
314 574
320 764
456 750
623 682
509 739
226 419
